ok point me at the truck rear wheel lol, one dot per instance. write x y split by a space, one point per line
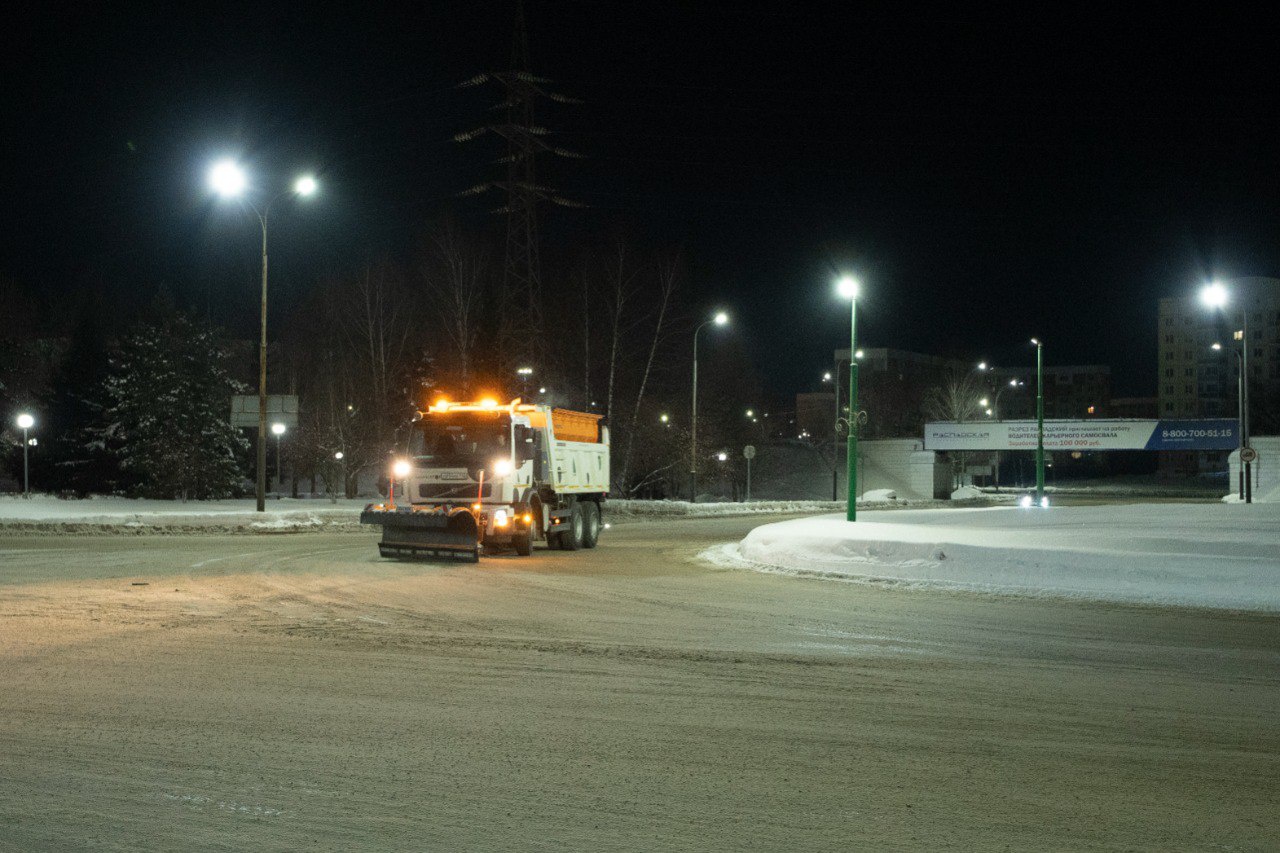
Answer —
591 528
522 541
572 539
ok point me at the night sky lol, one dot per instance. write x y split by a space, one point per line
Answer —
988 177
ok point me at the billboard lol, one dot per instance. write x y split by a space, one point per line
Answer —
281 408
1093 434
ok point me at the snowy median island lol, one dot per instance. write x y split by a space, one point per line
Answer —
1194 555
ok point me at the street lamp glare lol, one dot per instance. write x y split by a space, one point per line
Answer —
227 179
847 287
857 354
721 318
984 402
982 365
25 421
277 429
1035 341
1215 346
826 377
1213 295
306 185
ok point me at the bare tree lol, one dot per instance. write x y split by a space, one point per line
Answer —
667 274
456 275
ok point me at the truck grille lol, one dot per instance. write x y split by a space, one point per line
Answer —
461 491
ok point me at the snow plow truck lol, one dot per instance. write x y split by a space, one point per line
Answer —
485 476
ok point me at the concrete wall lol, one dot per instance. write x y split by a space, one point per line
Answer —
900 464
1266 469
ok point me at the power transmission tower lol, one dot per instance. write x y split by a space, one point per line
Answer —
522 327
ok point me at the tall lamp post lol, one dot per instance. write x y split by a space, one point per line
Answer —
229 181
720 319
1217 347
25 422
847 287
1216 296
1039 421
278 430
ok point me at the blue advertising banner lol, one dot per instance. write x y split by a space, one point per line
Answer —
1091 434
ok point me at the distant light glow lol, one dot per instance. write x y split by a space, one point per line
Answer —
501 467
722 456
306 185
525 371
982 365
1044 502
847 287
857 354
1214 295
278 429
1215 346
338 455
1036 342
751 413
1013 383
826 377
488 403
1025 502
664 418
984 402
542 390
25 421
401 468
721 318
227 179
990 412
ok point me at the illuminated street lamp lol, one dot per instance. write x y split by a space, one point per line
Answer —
847 287
720 319
278 430
25 422
1039 421
524 374
1215 296
229 180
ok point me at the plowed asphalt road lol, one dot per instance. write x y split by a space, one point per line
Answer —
261 692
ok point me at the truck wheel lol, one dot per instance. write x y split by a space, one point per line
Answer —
523 542
572 539
591 530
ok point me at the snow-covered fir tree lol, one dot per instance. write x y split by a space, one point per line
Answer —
167 413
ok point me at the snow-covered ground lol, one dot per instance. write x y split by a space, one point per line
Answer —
1198 555
125 515
128 515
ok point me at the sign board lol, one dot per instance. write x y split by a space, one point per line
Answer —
1248 454
749 451
1113 434
281 409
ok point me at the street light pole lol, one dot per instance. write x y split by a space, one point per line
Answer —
848 288
229 181
26 422
1215 296
719 319
1039 421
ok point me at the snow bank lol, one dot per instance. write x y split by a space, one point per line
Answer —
666 509
1199 555
967 493
44 514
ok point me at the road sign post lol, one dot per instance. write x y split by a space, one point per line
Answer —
749 453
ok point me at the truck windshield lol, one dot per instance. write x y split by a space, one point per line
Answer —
460 440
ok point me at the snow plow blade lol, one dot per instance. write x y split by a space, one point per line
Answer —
425 534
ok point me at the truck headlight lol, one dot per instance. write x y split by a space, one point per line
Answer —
500 518
402 468
501 467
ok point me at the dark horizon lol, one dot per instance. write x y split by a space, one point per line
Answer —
988 177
